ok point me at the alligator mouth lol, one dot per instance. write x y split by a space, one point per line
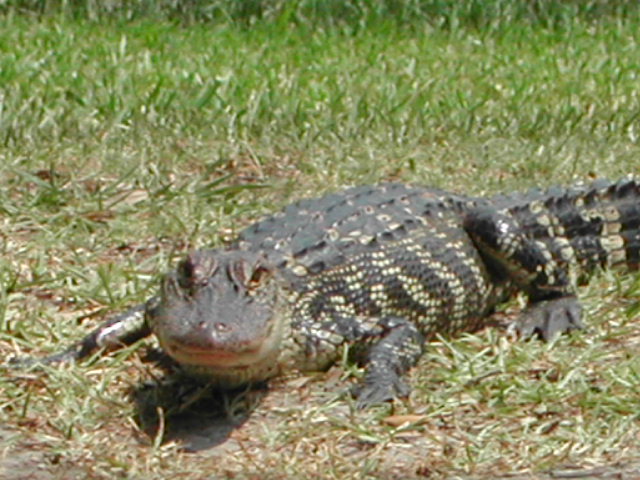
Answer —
217 357
232 355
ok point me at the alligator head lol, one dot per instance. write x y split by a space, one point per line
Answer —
217 316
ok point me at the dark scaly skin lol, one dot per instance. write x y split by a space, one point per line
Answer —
384 268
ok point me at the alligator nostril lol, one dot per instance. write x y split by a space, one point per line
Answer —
221 327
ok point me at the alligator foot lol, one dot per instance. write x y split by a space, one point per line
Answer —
549 318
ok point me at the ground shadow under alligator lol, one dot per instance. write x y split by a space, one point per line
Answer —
196 415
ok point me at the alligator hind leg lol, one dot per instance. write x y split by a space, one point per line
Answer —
513 256
549 318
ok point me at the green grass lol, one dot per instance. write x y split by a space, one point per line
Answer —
127 139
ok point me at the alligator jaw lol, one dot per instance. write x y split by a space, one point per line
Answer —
215 358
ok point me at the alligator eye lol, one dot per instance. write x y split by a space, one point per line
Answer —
196 269
259 275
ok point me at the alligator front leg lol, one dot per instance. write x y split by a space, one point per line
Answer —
388 360
120 330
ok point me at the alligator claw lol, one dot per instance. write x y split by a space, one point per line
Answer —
549 318
375 393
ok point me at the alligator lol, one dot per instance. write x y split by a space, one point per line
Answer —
381 270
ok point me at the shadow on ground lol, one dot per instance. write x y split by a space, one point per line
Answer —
198 417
